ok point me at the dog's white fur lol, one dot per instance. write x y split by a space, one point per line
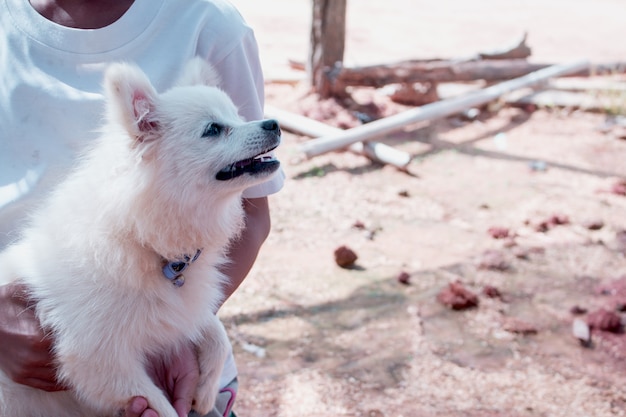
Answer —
93 253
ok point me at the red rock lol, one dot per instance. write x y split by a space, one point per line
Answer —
558 219
497 232
457 297
552 221
593 224
577 310
518 326
605 320
358 224
345 257
492 292
404 278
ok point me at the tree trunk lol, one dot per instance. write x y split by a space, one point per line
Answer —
408 72
328 33
441 71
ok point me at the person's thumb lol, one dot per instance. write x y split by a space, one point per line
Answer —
138 407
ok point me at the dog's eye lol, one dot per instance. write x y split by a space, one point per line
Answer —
212 129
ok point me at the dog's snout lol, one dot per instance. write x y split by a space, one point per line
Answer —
270 124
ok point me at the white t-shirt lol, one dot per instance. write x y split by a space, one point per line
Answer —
51 101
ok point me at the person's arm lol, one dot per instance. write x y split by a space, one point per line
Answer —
25 351
244 251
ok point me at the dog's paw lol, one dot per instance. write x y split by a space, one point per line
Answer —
205 398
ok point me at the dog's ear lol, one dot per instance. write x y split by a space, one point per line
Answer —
198 72
132 101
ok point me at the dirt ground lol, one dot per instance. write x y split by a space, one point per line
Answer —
523 208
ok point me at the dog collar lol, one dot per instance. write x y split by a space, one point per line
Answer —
173 270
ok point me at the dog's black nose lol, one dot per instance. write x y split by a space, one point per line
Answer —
270 124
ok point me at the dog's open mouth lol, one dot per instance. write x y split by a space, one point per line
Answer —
259 164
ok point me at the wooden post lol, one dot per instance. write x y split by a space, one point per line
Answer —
328 35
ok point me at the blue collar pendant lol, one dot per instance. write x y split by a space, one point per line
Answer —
173 271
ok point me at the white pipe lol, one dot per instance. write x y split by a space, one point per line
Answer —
435 110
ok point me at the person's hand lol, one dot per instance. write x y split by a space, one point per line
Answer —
177 375
138 407
25 352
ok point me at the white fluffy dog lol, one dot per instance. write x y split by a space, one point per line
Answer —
153 206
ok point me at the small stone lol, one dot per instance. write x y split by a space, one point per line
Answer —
608 321
404 278
559 219
518 326
345 257
457 297
492 292
358 225
497 232
578 310
593 224
582 332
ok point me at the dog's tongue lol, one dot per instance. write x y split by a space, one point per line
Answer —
243 163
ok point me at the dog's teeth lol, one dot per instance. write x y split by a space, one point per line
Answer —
245 165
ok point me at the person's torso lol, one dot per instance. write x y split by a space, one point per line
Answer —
51 102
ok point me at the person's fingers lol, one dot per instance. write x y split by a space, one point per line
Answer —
182 397
182 406
26 350
42 369
46 384
38 371
138 407
44 378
